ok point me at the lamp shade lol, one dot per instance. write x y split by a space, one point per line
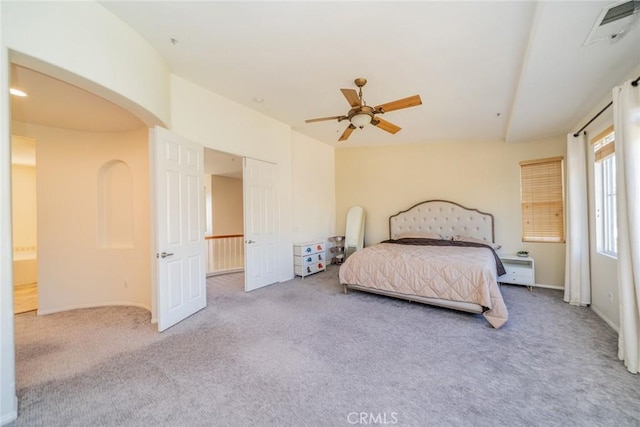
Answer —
360 119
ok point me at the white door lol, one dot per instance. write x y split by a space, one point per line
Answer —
260 223
180 277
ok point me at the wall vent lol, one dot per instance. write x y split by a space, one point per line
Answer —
614 21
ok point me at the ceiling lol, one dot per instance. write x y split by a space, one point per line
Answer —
222 164
54 103
513 70
486 70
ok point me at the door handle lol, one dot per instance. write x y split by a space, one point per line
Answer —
164 255
249 241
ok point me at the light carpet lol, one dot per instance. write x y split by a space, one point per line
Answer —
301 353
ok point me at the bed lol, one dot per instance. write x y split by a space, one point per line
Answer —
439 253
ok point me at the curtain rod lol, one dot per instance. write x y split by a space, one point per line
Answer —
634 83
575 135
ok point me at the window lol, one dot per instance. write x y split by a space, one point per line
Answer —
542 198
605 192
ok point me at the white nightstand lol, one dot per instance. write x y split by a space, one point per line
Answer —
520 270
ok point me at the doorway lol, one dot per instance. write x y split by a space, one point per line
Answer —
243 227
25 260
87 117
80 229
224 222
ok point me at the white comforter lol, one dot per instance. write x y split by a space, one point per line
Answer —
451 273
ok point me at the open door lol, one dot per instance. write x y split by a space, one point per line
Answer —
260 223
180 278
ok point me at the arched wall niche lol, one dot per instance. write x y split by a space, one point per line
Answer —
115 205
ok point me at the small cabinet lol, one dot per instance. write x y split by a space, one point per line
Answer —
309 258
520 270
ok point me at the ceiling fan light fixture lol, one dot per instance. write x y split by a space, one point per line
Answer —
362 114
360 120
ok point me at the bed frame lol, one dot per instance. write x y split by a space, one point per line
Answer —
445 218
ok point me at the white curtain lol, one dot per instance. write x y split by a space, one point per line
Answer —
626 124
577 280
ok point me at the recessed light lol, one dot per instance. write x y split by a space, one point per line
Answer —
258 99
16 92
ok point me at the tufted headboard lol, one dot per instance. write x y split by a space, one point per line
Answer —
442 217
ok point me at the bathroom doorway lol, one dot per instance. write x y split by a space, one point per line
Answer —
24 213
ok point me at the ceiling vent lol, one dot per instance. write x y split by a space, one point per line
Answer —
614 21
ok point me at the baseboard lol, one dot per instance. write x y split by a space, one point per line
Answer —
220 273
82 306
557 288
11 415
606 320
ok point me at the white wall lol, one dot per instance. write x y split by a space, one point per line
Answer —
86 45
23 190
227 205
216 122
486 176
23 187
8 399
77 266
208 206
314 208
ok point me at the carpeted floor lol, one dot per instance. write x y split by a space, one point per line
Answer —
301 353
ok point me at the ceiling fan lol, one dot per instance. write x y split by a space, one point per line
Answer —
360 113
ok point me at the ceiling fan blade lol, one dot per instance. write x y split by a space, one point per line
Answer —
352 97
411 101
322 119
385 125
347 132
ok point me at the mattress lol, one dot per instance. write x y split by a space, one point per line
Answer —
452 273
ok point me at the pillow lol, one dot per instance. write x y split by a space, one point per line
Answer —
460 238
419 235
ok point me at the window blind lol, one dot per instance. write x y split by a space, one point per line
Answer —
604 144
542 198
